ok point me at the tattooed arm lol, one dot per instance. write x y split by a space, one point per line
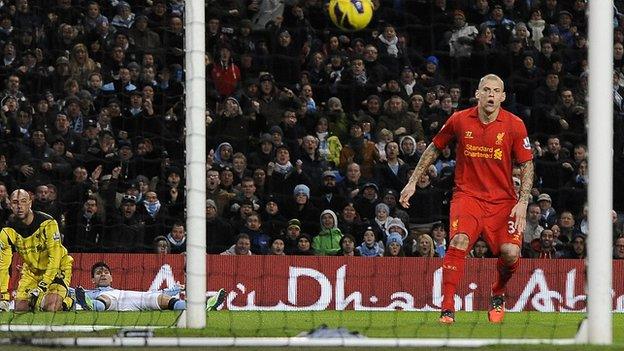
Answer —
427 159
519 211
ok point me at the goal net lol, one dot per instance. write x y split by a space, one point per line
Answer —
280 78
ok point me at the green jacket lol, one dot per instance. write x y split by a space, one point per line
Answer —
327 243
335 147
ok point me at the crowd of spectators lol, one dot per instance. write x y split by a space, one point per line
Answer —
91 121
311 132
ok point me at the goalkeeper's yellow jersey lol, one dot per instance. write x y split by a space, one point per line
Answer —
39 245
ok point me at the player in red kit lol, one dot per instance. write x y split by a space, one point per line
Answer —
488 141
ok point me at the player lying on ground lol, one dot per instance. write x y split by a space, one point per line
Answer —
489 139
46 268
106 298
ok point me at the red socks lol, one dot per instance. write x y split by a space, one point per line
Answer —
452 270
504 274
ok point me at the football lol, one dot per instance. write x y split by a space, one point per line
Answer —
351 15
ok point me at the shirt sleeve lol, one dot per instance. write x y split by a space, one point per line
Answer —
521 145
6 256
446 134
55 249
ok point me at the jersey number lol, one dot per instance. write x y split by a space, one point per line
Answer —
511 227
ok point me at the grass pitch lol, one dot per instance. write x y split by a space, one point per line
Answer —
525 325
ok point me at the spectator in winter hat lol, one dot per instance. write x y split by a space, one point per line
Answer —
278 135
394 246
432 60
301 189
339 123
371 246
374 189
390 197
124 19
304 246
396 226
327 242
273 220
277 247
548 213
329 196
430 75
303 209
265 152
382 218
291 237
223 155
366 202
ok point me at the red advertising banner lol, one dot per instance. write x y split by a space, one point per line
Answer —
285 283
414 284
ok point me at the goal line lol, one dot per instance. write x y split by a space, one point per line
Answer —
277 342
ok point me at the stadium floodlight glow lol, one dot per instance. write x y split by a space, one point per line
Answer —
195 130
600 163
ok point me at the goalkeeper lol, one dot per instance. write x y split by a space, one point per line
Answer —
106 298
46 269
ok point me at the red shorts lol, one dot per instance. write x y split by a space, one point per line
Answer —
492 222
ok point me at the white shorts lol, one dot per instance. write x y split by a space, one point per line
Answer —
126 300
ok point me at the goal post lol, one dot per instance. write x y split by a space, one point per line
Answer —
600 189
195 130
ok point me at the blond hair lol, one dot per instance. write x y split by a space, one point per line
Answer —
491 76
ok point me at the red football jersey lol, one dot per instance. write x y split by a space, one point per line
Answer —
485 153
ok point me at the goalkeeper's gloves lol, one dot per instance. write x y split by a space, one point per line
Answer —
4 306
41 288
35 293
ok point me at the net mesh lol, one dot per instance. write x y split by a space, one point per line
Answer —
284 296
270 296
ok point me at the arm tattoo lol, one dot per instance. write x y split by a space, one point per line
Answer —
427 159
526 173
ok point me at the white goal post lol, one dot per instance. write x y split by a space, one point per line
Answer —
195 47
600 161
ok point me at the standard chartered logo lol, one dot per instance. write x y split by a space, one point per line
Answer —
480 151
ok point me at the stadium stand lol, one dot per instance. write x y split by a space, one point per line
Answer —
303 121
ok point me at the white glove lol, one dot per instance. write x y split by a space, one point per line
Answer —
4 306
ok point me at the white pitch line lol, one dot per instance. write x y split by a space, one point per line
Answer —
65 328
117 341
